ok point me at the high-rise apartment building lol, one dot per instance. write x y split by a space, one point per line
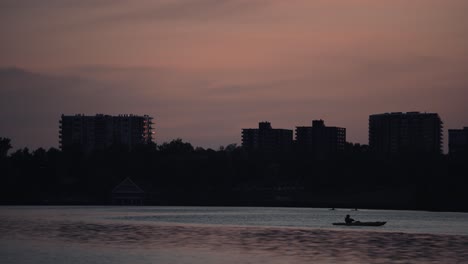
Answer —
320 139
458 141
411 132
266 138
89 133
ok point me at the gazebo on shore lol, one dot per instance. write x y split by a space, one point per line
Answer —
128 192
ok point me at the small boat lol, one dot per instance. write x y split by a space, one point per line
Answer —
358 223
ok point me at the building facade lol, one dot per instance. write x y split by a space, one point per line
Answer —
266 138
320 139
90 133
458 141
411 132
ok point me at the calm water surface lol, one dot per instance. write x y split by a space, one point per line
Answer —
227 235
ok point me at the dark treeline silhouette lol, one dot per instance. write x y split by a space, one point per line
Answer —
176 173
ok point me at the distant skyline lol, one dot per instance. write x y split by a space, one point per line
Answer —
205 69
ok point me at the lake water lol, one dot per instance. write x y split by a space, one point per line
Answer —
136 235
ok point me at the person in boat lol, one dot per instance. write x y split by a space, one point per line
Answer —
349 220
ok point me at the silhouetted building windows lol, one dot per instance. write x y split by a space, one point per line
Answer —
266 138
320 139
410 132
458 141
89 133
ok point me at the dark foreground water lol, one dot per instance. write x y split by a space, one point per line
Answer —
227 235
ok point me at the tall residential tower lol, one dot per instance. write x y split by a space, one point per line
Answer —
320 139
89 133
411 132
266 138
458 141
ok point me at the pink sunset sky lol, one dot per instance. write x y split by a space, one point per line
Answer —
205 69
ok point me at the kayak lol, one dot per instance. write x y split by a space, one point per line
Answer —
358 223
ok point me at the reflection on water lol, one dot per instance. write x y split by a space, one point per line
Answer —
237 244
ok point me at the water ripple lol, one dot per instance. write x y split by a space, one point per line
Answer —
300 244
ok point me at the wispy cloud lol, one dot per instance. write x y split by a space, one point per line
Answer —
186 10
68 4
